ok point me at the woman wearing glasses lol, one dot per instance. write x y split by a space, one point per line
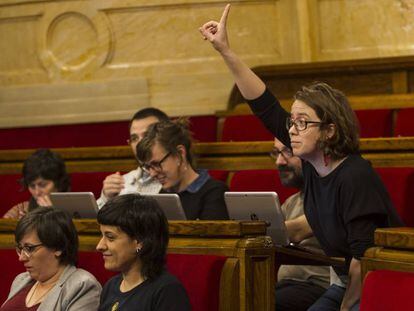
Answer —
43 172
47 245
344 199
165 153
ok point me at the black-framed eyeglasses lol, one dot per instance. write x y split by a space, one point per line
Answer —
299 124
155 165
27 250
285 152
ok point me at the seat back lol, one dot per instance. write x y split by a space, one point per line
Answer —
399 182
387 290
10 267
375 123
404 122
11 192
244 128
260 180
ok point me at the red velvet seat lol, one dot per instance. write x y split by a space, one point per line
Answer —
399 182
260 180
9 268
199 274
89 182
385 290
375 123
204 128
404 124
244 128
219 175
11 192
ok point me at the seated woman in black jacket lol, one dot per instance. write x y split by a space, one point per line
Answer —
165 153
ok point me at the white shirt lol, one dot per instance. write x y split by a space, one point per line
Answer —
136 181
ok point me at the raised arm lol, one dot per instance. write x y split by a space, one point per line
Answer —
249 84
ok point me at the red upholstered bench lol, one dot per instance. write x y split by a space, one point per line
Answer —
387 290
204 129
404 122
375 123
11 192
244 128
9 268
399 182
200 274
260 180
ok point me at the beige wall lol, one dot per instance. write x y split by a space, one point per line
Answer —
95 60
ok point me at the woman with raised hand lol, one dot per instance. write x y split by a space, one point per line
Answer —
134 243
344 199
165 154
43 172
47 245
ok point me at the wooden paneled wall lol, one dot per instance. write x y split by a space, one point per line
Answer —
98 60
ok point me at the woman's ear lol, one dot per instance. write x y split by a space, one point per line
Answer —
58 253
182 152
330 130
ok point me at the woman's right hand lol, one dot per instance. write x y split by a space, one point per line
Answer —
216 32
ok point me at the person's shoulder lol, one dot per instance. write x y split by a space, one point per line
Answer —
356 167
212 183
82 277
22 278
166 279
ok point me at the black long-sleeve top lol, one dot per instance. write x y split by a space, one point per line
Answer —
343 208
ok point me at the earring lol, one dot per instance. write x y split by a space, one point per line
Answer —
138 250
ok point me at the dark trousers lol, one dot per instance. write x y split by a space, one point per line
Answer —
296 296
331 300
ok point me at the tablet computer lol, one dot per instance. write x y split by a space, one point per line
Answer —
77 204
170 204
259 206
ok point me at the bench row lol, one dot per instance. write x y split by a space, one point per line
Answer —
238 125
399 182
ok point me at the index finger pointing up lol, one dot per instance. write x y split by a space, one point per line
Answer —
223 19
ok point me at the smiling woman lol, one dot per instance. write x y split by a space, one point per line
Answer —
47 245
134 242
165 154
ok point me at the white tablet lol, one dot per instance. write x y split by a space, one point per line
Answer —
259 206
170 204
77 204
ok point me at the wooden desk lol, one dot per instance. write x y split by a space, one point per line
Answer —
248 276
394 250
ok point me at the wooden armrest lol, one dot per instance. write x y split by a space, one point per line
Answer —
294 256
400 238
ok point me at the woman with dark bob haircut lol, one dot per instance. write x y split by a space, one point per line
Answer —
43 172
134 242
344 198
47 245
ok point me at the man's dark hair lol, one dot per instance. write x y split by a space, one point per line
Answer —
149 112
141 219
46 164
55 230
